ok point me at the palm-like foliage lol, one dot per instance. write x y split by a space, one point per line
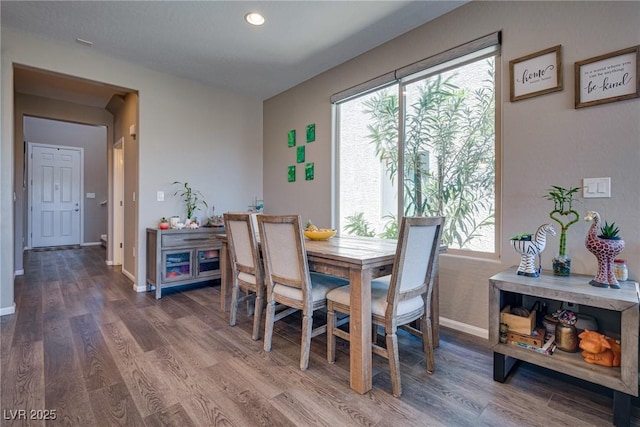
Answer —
449 138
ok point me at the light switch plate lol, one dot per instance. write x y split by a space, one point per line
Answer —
160 196
596 187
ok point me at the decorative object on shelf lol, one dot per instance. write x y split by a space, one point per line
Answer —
599 349
257 206
536 74
504 329
605 247
528 247
164 224
550 322
620 269
566 332
214 220
193 199
174 221
607 78
564 214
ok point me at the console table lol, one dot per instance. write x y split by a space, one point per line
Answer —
180 257
507 287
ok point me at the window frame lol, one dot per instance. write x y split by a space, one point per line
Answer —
485 47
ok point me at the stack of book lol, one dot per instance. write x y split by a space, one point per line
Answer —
538 341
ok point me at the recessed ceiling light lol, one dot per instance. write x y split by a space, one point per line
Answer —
84 42
254 18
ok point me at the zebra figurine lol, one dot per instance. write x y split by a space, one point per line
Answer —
528 249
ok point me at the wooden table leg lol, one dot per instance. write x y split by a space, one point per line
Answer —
360 331
225 279
435 310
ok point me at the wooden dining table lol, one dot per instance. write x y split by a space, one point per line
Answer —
358 259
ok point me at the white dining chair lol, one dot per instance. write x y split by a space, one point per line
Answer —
399 299
246 268
290 285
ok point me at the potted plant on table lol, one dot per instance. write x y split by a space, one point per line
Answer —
193 199
164 223
564 214
528 246
605 246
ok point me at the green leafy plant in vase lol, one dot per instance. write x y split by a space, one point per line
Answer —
564 214
193 199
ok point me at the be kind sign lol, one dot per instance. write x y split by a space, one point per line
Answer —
607 78
536 74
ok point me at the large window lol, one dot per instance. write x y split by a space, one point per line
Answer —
423 145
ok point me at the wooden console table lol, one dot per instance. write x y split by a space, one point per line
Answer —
507 287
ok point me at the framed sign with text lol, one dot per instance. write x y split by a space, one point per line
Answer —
536 74
608 78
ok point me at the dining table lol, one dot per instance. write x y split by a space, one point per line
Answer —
358 259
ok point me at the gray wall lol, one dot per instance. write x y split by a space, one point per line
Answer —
545 141
93 139
35 106
207 136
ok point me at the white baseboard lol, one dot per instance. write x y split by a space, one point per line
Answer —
18 273
463 327
139 288
8 310
129 275
110 262
91 244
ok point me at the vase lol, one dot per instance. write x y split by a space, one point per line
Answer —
606 251
561 265
566 337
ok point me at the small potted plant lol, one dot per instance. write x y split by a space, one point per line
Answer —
164 223
606 246
521 236
529 245
609 231
564 214
193 199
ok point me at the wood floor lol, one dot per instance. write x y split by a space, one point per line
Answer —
84 348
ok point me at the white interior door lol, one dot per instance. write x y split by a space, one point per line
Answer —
56 188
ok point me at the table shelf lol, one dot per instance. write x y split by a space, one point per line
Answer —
622 302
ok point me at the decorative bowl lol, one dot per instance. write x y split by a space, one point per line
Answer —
320 234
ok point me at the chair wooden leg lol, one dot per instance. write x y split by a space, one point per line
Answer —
268 328
257 317
250 302
331 339
427 344
307 325
394 363
234 304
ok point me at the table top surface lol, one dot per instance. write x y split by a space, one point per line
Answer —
570 288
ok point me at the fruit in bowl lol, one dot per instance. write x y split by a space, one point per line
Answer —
314 233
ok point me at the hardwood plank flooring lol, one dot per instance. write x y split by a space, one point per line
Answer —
83 344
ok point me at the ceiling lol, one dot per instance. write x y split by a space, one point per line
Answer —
209 41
